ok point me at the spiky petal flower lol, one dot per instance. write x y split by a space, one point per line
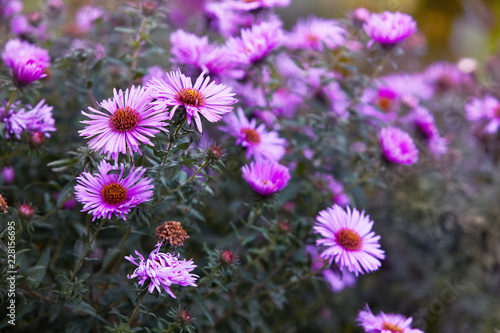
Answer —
487 109
163 270
249 5
128 121
103 194
260 143
314 33
256 42
385 323
204 97
266 177
397 146
37 119
348 239
27 61
338 279
389 28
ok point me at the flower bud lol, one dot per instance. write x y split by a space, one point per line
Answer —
38 138
26 211
148 8
8 175
227 257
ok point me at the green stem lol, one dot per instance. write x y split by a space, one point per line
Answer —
171 143
9 104
137 46
87 250
375 73
189 179
136 308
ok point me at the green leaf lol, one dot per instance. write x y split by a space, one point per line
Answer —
65 193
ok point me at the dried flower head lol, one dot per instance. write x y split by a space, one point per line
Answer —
171 232
3 205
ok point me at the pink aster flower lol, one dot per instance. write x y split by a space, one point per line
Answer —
314 33
425 125
486 110
204 97
338 279
443 76
339 101
260 144
103 194
154 72
128 121
36 119
163 270
266 177
385 323
257 42
337 190
27 61
8 175
256 4
397 146
227 20
87 15
389 28
348 239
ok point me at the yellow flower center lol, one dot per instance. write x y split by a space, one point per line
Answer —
349 239
124 119
114 193
391 327
191 97
251 135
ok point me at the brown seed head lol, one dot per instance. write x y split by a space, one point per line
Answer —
171 232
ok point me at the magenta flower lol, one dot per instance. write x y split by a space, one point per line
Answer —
36 119
8 175
129 121
87 15
260 144
348 239
163 270
314 33
389 28
205 97
397 146
256 42
425 125
339 101
26 61
337 189
486 111
266 177
103 194
443 76
249 5
385 323
337 279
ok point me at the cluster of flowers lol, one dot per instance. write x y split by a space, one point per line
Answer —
394 106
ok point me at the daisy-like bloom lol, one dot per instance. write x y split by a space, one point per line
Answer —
337 189
227 20
204 97
389 28
8 175
87 15
266 177
154 72
397 146
104 194
426 127
338 279
9 8
443 76
36 119
128 121
198 53
314 33
256 42
487 109
249 5
260 144
385 322
27 61
163 270
339 101
348 239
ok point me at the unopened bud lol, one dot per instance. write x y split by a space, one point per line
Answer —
227 257
26 211
148 8
38 138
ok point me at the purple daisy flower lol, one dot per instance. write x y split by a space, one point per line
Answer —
27 61
349 239
205 97
314 33
389 28
260 144
425 125
338 279
154 72
256 42
163 270
443 76
339 101
9 8
8 175
104 194
337 189
397 146
225 19
87 15
129 121
266 177
249 5
36 119
385 323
